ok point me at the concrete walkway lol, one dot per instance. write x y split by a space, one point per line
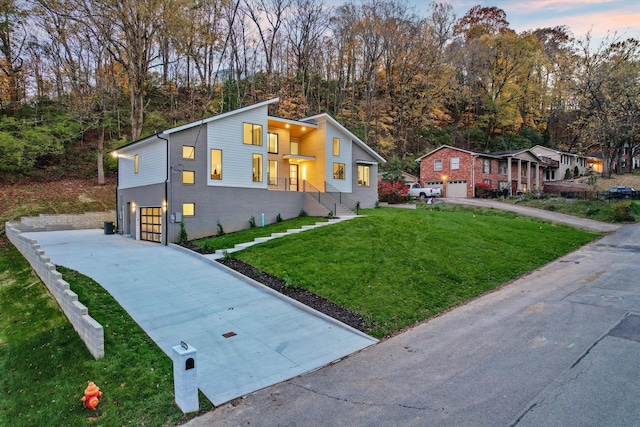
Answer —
177 296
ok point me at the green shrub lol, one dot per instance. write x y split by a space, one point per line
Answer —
182 235
302 213
622 213
252 222
568 174
278 218
220 229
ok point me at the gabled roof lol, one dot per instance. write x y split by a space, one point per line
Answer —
558 151
472 152
357 140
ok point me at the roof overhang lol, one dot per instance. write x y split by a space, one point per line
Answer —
296 158
296 128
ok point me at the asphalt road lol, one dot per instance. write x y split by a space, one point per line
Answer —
557 347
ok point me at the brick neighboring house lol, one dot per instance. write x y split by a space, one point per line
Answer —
457 171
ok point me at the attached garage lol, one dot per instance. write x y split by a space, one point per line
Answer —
151 224
456 188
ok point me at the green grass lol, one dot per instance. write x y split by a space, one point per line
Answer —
397 267
45 366
228 241
613 211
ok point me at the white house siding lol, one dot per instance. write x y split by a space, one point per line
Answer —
152 160
226 134
345 157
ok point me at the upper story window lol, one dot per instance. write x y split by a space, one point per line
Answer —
486 165
295 148
257 168
272 139
338 171
252 134
136 163
437 164
502 167
216 164
336 146
188 209
188 152
455 163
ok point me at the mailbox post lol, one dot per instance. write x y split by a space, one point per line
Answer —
185 377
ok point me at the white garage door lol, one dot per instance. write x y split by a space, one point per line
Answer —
456 189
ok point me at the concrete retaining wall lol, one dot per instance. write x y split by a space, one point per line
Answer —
90 331
67 221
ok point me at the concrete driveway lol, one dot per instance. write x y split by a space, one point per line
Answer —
175 296
557 347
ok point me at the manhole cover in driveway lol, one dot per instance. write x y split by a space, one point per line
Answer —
628 328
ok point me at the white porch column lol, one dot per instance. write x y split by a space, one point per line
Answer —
509 177
519 175
529 184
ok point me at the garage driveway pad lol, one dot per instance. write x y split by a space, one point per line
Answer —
175 296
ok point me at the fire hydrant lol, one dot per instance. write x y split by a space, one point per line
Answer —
91 394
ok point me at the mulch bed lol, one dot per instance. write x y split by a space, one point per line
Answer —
304 296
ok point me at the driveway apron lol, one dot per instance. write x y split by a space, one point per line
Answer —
175 296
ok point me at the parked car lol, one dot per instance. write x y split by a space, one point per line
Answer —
620 192
418 192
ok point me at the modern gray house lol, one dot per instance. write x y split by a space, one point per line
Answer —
239 165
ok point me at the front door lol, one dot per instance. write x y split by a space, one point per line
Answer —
293 177
151 224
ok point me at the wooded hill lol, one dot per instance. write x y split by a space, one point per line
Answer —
83 76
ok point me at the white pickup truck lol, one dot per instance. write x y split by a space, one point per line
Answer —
417 192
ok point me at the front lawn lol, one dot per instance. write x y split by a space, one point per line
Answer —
45 366
397 267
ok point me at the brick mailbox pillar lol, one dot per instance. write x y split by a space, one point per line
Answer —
185 377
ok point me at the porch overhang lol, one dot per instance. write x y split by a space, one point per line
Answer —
296 158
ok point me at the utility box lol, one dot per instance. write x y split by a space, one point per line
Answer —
185 377
109 227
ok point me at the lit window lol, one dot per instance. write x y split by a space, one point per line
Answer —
188 152
364 172
257 168
136 163
336 146
295 148
188 209
273 172
437 164
455 163
216 164
252 134
338 171
188 177
273 143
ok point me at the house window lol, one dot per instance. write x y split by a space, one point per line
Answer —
486 165
252 134
295 148
338 171
437 164
188 177
188 209
487 181
136 163
216 164
523 171
336 146
257 168
272 173
502 167
534 172
364 173
455 163
273 142
188 152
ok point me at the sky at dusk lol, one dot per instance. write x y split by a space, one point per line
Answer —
581 16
